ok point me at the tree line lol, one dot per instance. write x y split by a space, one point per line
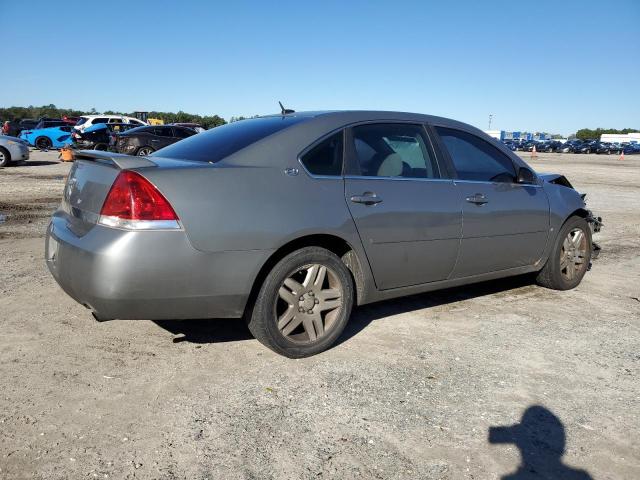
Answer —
587 133
18 113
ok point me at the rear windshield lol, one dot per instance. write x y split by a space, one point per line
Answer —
81 120
220 142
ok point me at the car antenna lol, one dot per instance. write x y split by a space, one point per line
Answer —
283 110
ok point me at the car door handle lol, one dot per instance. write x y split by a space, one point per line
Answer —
367 198
478 199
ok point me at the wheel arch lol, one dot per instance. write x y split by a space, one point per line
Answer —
338 245
7 154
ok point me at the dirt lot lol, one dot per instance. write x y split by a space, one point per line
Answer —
410 392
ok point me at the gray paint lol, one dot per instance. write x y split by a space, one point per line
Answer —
238 212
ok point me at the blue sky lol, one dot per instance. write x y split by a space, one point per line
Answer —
537 65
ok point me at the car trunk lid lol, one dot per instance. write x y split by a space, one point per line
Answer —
88 184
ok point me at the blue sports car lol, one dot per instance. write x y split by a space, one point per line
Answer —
45 138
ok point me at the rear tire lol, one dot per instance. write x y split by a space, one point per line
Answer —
43 143
5 157
304 303
570 257
144 151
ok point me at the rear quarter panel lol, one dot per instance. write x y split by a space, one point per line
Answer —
225 208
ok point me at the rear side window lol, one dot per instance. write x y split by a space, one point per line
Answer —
326 157
220 142
475 159
163 131
394 150
95 121
183 132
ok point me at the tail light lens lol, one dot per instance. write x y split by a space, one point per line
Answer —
134 203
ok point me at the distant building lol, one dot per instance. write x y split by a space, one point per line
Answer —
504 135
633 137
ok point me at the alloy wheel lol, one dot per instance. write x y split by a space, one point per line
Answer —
308 304
573 254
143 152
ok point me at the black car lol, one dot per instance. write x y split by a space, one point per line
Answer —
551 146
101 136
146 140
49 122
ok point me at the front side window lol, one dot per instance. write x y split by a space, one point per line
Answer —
475 159
393 150
326 157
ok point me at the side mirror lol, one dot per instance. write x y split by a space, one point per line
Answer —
526 176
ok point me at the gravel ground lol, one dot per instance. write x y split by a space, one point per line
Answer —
411 391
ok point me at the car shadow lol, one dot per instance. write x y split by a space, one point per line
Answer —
36 163
218 330
541 439
364 315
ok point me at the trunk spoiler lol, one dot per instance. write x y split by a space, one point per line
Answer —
123 162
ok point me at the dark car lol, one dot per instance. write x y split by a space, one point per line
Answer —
570 146
48 123
510 144
27 124
146 140
289 221
100 136
549 147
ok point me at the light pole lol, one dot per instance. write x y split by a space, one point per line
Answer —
490 118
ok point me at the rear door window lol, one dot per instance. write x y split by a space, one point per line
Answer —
220 142
393 150
326 157
163 131
95 121
476 159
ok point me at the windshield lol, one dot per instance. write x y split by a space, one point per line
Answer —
220 142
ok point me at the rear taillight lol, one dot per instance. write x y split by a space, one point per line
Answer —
134 203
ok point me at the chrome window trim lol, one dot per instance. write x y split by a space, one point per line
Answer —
486 182
418 179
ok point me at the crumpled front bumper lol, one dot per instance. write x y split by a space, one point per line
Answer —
595 224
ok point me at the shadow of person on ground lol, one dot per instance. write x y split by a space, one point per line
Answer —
541 439
229 330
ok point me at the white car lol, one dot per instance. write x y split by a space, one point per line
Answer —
88 120
12 149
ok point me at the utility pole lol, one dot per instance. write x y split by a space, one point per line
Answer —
490 118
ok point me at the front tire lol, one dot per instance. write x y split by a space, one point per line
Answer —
570 257
304 303
5 157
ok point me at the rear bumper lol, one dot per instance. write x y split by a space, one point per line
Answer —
154 275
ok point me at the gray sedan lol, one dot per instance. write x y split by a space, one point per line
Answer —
12 149
291 220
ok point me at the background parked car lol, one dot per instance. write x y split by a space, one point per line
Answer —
146 140
86 121
48 122
100 136
45 138
12 149
196 126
